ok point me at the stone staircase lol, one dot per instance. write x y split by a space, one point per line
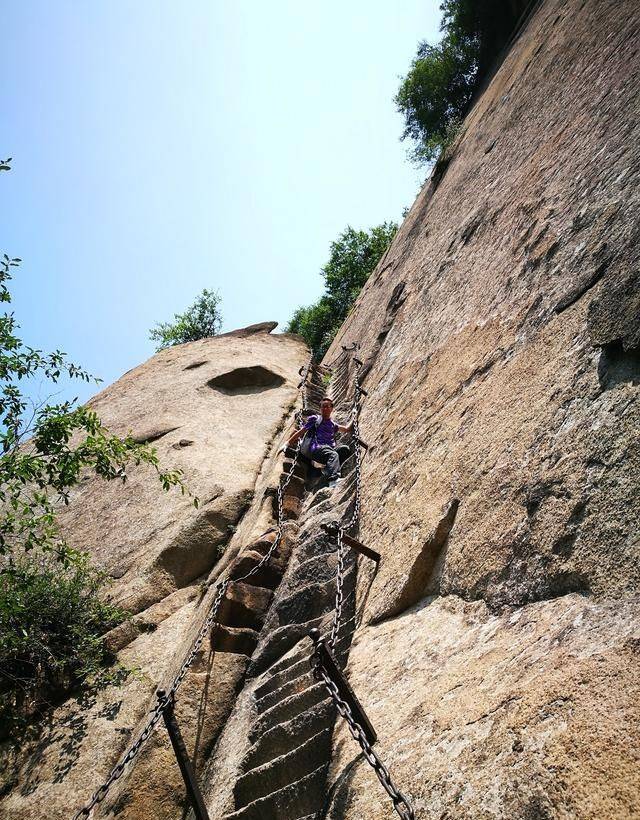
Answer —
281 772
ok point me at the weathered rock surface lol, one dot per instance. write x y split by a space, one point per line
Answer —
210 408
495 648
498 653
532 713
159 550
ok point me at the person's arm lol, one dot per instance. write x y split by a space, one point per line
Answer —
345 428
293 438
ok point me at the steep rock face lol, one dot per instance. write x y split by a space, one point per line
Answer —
213 408
495 649
500 334
210 408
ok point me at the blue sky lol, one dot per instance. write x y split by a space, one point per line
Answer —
163 147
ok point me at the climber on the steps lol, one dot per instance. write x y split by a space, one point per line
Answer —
319 442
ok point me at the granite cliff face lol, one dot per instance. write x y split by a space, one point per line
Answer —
495 649
214 408
499 650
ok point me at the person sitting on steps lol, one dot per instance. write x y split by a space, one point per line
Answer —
319 442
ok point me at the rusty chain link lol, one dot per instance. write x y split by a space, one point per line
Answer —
401 802
156 714
345 526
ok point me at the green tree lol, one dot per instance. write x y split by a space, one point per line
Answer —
201 320
44 452
52 616
352 258
52 621
437 91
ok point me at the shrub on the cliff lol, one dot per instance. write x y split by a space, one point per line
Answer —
44 451
201 320
52 618
437 90
353 256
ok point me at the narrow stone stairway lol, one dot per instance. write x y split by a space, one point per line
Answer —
281 773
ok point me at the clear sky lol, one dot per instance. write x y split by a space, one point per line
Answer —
163 147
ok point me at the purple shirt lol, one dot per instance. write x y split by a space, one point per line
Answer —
325 432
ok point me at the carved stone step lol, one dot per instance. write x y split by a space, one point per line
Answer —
300 469
302 651
267 576
284 770
264 544
306 603
291 507
244 605
304 796
316 569
292 687
235 641
287 709
275 682
278 642
281 739
295 486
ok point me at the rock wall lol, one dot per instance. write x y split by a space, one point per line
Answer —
215 408
501 332
495 649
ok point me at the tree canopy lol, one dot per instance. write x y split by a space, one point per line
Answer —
352 258
201 320
436 92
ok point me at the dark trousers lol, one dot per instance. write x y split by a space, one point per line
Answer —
324 455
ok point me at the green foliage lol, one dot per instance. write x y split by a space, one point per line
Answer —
353 256
317 324
201 320
51 614
52 618
435 94
42 454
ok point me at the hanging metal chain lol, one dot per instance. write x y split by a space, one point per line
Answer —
353 519
156 714
304 374
337 612
400 801
355 437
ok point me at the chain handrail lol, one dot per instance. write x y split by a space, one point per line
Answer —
345 526
337 611
401 802
162 702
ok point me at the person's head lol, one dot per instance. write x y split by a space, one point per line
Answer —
326 407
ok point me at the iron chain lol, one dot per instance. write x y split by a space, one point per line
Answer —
353 519
337 613
212 616
400 801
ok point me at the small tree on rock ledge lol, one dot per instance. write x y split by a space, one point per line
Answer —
201 320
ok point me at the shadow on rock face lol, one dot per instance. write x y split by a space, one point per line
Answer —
244 380
617 365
